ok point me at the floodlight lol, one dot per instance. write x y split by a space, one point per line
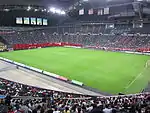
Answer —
29 8
58 11
52 9
35 10
63 12
55 10
6 10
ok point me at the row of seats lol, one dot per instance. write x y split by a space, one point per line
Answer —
47 101
83 34
116 41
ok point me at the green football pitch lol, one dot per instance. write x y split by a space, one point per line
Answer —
110 72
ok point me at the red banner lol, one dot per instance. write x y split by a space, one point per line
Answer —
31 46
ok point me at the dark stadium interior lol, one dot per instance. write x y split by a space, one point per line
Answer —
61 3
107 25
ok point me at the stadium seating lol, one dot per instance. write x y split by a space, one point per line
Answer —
28 99
77 30
86 35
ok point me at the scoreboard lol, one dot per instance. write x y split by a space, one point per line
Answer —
31 21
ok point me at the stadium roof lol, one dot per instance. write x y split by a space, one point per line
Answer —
57 3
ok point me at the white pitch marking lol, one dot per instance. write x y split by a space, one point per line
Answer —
135 78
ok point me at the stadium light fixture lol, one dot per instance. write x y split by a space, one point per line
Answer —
58 11
29 8
52 9
85 0
35 10
6 10
62 12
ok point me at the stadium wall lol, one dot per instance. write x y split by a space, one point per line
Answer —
64 44
32 46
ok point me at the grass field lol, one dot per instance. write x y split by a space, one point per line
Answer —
107 71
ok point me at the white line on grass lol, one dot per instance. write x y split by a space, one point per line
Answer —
127 87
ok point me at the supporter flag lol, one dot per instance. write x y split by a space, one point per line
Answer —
106 11
100 12
81 12
91 11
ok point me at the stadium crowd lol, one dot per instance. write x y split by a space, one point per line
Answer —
21 98
27 99
86 35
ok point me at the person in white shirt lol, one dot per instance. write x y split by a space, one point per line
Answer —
56 111
107 109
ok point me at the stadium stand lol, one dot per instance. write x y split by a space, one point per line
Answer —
27 99
85 35
87 32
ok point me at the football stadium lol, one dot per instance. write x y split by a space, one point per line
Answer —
75 56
